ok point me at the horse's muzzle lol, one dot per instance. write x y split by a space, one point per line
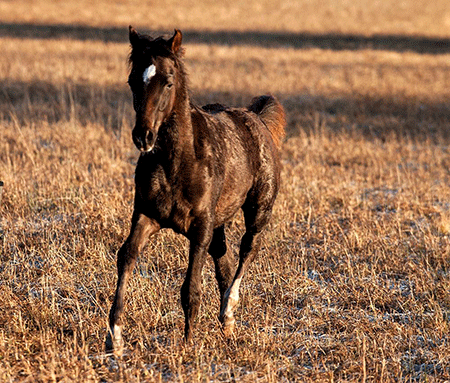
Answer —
144 140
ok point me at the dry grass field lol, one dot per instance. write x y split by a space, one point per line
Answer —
352 283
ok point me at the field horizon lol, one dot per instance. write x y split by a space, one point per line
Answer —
352 282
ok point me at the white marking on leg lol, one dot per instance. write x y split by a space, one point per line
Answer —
232 298
114 341
117 333
149 73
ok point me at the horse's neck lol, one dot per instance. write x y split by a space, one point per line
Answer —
180 131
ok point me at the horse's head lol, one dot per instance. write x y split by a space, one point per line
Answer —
153 80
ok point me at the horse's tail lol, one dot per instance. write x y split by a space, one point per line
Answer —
271 112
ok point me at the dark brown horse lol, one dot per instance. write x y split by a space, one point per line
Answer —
198 167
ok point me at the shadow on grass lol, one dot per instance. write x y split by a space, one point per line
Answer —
83 104
372 117
398 43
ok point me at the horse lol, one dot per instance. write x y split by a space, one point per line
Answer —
197 167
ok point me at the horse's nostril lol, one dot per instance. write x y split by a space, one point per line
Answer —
148 137
138 141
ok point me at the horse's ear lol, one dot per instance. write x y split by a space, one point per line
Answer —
134 36
174 42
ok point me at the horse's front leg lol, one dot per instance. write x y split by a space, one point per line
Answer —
191 291
141 228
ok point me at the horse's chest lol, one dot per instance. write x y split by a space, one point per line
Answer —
163 200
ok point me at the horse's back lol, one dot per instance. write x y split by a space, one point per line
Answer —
264 113
249 139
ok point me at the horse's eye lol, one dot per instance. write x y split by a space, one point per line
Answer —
169 81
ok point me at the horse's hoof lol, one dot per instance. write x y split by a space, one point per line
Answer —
228 332
228 327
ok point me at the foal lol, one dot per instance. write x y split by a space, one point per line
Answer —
197 167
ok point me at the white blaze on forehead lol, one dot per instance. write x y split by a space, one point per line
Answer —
149 73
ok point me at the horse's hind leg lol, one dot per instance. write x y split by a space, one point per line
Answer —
256 217
223 261
141 228
247 253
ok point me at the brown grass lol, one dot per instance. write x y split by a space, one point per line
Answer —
352 283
